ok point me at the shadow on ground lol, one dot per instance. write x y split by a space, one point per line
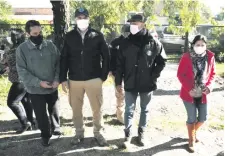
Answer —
220 154
29 145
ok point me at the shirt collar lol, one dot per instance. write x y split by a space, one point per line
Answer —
31 45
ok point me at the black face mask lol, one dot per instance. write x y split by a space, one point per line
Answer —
36 39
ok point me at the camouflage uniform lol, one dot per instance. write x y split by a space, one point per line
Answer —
11 62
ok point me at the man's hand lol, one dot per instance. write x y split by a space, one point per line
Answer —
55 84
45 84
65 86
119 88
206 90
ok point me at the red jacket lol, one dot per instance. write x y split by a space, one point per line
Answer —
186 76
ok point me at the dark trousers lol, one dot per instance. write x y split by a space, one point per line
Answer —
40 104
24 111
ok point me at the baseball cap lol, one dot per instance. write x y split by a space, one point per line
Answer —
137 18
81 11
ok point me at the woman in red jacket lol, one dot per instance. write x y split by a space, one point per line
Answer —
196 73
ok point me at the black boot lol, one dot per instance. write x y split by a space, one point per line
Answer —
57 132
141 139
127 139
45 141
33 126
24 128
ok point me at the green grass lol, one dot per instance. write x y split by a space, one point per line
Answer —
4 89
173 58
220 69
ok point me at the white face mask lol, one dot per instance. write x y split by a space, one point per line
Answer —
199 49
83 24
134 29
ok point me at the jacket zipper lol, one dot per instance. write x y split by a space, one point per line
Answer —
82 54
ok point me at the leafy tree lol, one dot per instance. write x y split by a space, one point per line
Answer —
220 16
5 9
61 21
189 12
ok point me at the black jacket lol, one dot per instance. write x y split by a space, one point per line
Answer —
140 60
85 60
114 48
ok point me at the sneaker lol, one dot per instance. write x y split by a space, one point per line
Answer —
45 142
100 140
77 139
24 128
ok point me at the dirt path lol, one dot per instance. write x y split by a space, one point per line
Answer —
166 134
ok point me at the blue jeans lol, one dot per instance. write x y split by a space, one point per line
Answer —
130 100
192 112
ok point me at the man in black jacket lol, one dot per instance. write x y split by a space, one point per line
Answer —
114 49
85 57
140 62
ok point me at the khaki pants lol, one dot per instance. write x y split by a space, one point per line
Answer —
93 89
120 104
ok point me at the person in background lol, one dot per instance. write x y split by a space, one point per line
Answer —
140 60
114 49
17 92
37 63
85 58
196 73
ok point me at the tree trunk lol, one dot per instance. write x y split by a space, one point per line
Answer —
61 18
186 43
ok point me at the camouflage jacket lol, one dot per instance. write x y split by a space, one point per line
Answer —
11 62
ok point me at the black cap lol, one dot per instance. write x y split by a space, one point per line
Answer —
137 18
81 11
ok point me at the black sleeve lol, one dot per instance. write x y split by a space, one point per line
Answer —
113 56
105 58
64 66
119 68
114 49
160 60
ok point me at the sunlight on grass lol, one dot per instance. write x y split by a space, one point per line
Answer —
220 69
215 120
216 125
4 89
173 58
67 131
165 123
109 82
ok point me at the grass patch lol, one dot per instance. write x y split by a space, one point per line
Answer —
109 81
173 58
220 69
216 125
67 131
4 89
216 120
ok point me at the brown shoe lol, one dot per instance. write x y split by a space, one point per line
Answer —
197 126
100 140
191 136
